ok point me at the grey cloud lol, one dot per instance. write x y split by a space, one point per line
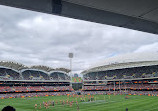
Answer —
34 38
149 48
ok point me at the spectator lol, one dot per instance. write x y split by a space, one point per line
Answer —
8 108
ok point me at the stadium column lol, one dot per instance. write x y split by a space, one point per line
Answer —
114 86
5 72
119 87
58 76
21 75
109 87
65 76
125 85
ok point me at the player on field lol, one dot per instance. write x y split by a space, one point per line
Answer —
35 106
53 103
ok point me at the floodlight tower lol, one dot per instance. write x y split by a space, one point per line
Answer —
71 57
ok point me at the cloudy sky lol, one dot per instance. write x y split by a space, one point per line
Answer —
34 38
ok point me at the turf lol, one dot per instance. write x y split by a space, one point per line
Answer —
102 103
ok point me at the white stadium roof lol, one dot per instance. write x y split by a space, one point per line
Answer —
18 66
125 61
40 67
12 65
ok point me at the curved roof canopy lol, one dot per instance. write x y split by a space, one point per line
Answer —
125 61
40 67
18 66
12 65
130 57
49 69
63 69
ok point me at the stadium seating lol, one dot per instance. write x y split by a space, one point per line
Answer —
34 88
122 87
143 72
23 95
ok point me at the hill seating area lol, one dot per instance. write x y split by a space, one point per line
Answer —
77 79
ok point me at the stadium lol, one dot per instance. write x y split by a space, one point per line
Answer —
118 80
126 82
131 73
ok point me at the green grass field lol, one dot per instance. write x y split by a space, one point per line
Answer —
114 103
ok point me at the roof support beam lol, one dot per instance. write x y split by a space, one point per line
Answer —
67 9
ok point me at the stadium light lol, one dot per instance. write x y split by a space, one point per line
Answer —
71 56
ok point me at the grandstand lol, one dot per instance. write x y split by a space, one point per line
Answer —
16 71
130 73
16 78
